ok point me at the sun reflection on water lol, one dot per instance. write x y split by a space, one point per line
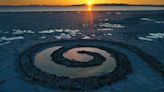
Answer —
90 4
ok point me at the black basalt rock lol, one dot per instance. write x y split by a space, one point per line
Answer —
36 75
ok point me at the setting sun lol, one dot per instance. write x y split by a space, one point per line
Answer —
90 3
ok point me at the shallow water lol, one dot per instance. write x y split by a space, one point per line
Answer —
44 62
73 54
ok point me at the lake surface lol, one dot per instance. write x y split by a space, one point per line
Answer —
76 8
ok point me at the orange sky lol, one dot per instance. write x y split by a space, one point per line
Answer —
71 2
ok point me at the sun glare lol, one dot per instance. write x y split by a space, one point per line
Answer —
90 3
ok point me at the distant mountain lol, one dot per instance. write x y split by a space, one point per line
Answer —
103 5
118 5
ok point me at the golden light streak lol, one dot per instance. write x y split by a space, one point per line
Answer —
90 4
91 23
89 8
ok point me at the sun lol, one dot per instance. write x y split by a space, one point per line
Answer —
90 3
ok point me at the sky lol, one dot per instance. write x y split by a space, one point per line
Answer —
73 2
